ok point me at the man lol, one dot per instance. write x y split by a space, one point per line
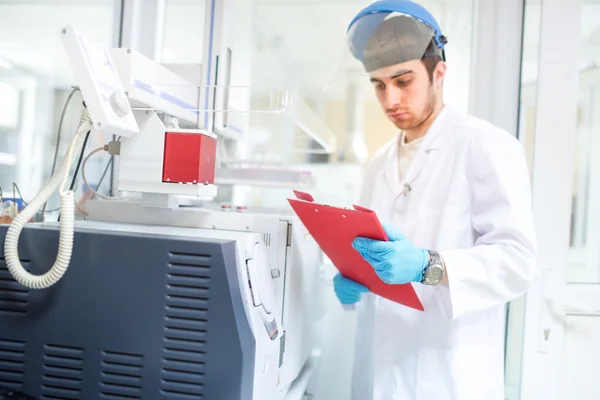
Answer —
455 193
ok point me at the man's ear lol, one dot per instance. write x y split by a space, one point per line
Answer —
439 73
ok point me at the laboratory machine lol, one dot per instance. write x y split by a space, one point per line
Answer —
148 299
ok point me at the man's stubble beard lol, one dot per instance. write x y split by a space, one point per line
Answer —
423 117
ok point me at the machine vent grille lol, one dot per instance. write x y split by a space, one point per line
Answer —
267 239
121 376
186 327
12 363
13 296
62 372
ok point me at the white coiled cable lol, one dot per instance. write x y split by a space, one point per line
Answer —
67 219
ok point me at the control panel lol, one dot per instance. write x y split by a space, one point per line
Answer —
99 83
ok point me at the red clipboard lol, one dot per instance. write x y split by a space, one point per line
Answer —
334 229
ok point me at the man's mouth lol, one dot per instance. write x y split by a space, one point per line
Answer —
398 115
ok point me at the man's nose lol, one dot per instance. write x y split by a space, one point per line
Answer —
393 98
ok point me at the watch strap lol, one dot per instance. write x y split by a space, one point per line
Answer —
434 259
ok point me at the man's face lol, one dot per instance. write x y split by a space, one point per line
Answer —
406 93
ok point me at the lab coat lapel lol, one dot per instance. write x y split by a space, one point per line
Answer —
430 142
419 162
391 169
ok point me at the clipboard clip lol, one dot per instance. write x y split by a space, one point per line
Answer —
308 197
304 196
360 208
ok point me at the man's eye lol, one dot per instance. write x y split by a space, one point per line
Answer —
379 87
402 83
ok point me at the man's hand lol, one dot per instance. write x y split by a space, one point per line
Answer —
395 262
346 290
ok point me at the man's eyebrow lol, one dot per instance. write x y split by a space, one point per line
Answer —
396 75
402 72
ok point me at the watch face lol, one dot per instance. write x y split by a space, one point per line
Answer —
434 274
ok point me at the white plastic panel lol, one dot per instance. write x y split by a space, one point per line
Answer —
152 86
99 83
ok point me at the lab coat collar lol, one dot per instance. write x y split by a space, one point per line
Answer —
434 139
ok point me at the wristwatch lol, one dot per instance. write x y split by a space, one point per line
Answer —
434 271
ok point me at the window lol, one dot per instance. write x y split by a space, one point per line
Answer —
299 46
35 80
183 32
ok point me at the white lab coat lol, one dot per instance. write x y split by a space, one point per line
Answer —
470 200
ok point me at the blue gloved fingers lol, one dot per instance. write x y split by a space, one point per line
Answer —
377 263
358 287
382 268
397 261
389 273
347 290
394 234
370 246
384 271
396 277
337 280
371 260
345 284
424 259
349 299
385 276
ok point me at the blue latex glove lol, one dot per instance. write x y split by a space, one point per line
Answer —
398 261
347 290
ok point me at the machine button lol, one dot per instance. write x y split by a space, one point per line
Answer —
119 104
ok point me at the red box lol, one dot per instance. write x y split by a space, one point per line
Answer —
189 158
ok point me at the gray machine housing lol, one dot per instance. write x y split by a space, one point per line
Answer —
132 318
